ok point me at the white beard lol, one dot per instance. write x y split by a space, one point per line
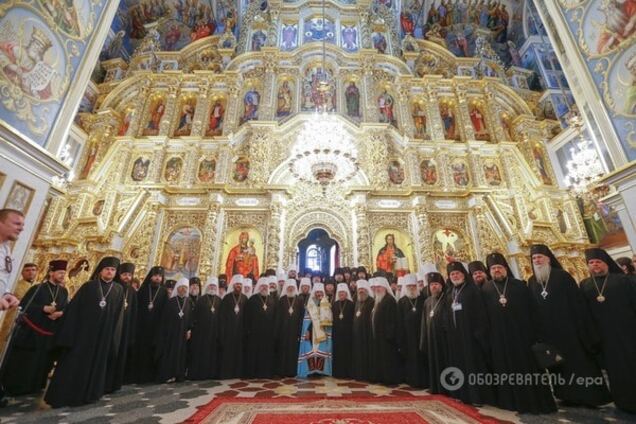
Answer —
542 273
378 298
457 283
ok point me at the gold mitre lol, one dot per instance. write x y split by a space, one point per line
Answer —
41 38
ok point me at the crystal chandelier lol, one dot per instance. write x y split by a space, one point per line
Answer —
324 152
583 167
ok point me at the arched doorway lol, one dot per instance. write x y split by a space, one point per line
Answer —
318 252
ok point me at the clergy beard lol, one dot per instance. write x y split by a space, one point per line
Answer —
542 272
290 296
411 294
457 283
500 279
379 297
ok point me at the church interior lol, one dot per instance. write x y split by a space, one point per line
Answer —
313 135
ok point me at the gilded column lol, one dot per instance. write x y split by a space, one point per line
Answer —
202 110
138 107
462 113
232 105
363 238
493 114
266 112
209 238
425 234
171 104
435 126
274 234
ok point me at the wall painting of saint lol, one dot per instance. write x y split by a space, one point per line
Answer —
172 173
393 252
284 99
140 169
241 169
155 113
186 116
428 171
207 170
243 252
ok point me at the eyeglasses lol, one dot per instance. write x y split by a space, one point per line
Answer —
8 264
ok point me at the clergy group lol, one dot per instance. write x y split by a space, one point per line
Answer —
478 320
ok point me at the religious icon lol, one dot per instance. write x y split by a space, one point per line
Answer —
125 123
181 250
396 172
98 207
68 215
479 124
215 123
428 170
207 170
80 267
352 97
284 100
251 101
140 169
184 125
561 220
19 198
289 39
349 38
319 29
173 170
319 90
448 119
28 58
539 161
242 257
156 111
379 42
385 106
419 120
406 22
259 38
460 173
390 258
491 173
90 160
241 169
447 243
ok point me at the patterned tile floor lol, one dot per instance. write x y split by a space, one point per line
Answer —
173 403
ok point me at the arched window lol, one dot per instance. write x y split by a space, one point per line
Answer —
313 257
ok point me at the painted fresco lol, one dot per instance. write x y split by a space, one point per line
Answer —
605 31
41 47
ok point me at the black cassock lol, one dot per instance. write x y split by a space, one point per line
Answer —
89 340
341 335
205 339
361 340
513 331
288 327
260 332
468 347
415 370
384 349
232 335
30 359
171 346
118 376
616 320
148 326
434 339
566 323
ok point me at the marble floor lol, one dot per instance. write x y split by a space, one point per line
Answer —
174 403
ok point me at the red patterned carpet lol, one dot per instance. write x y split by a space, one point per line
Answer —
343 410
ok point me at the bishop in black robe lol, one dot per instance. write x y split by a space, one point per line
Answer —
29 357
468 347
384 334
566 323
361 333
116 379
434 332
88 339
289 319
410 306
204 362
176 325
151 299
304 290
611 297
232 333
260 332
513 315
342 332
